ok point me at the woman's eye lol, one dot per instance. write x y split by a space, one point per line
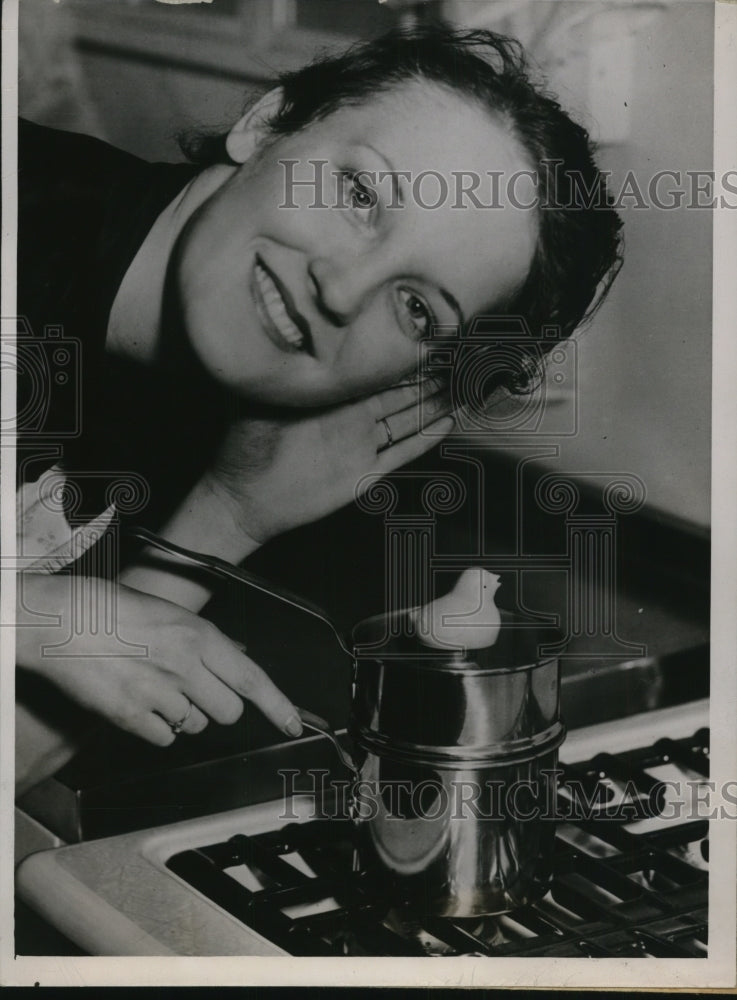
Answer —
418 311
358 195
362 197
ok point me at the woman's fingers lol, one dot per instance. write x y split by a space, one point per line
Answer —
195 723
412 447
216 698
404 423
152 728
217 686
245 677
192 671
177 710
400 397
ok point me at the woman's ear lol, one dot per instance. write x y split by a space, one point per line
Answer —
247 133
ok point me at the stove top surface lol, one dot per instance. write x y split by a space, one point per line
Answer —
262 881
629 878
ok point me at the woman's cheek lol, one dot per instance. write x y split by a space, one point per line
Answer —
393 356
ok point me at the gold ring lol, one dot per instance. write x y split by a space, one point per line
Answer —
176 727
389 435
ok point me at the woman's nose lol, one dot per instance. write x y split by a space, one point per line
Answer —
341 288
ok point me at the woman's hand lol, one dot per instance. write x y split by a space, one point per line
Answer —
143 678
276 474
281 473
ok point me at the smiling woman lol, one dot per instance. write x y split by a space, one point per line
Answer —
347 293
251 351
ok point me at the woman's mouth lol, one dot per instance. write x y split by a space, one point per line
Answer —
285 327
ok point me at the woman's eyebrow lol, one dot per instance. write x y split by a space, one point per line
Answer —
393 174
453 303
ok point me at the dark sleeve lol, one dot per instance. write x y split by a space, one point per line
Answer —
84 208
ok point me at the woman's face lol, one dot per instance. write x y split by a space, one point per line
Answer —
309 305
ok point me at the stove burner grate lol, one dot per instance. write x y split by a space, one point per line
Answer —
625 883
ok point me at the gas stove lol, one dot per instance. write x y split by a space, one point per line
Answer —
629 871
627 882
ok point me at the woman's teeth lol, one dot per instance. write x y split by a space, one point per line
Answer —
276 310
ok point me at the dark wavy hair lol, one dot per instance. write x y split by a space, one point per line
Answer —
579 246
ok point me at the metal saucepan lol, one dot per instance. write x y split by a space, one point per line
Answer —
454 755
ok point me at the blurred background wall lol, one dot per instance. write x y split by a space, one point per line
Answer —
639 75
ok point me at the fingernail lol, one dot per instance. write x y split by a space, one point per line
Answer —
293 726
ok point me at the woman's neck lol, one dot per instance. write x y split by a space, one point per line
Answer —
134 327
